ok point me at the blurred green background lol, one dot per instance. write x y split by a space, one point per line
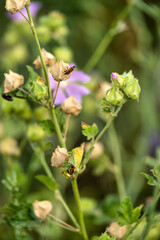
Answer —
100 37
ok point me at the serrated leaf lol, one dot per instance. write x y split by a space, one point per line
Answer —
126 214
151 180
106 236
135 214
89 131
48 182
48 127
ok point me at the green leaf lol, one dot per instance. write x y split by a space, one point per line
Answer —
21 216
104 236
89 131
126 214
48 127
151 180
48 182
32 74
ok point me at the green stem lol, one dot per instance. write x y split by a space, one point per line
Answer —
40 53
118 163
102 132
58 131
78 201
133 228
106 40
62 141
149 213
58 193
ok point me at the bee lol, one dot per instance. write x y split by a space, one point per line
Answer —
71 171
7 97
70 70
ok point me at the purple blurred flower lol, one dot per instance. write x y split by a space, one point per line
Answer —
70 87
34 8
113 75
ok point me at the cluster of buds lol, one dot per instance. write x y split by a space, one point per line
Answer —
124 87
59 69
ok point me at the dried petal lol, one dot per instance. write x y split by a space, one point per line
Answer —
117 231
14 6
42 208
12 81
71 106
59 156
49 59
58 71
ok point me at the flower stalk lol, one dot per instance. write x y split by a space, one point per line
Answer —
56 92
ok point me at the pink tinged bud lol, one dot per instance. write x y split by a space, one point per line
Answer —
42 209
113 75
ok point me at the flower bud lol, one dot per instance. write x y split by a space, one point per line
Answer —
118 80
35 132
117 231
97 151
9 146
71 106
14 6
102 88
115 97
12 81
49 59
132 90
42 208
59 156
58 71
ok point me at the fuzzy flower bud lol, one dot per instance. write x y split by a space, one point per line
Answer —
117 231
58 71
12 81
49 59
115 96
14 6
71 106
132 90
9 146
59 156
42 208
